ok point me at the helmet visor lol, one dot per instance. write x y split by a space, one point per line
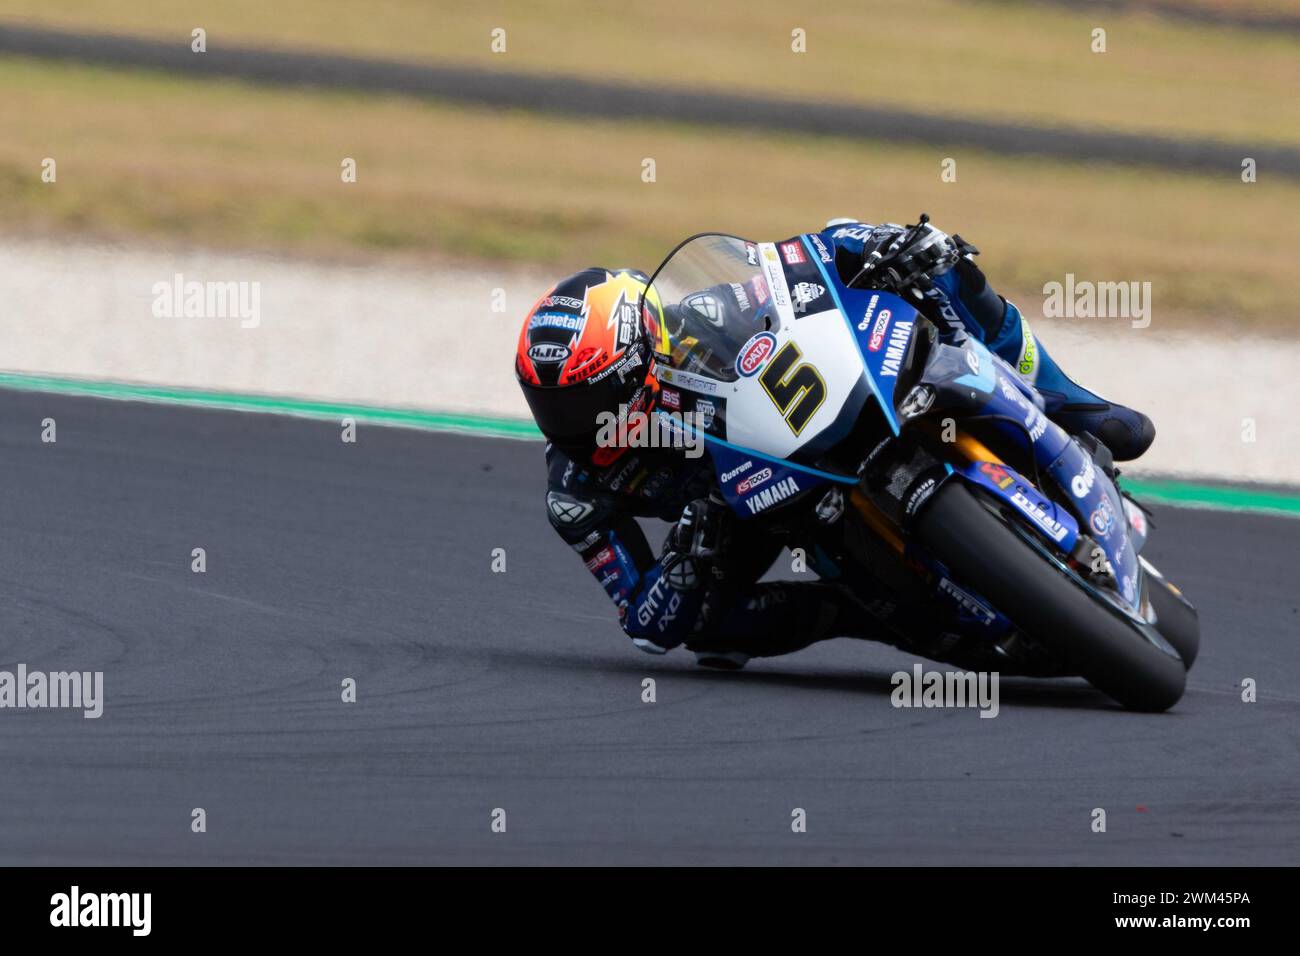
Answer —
571 415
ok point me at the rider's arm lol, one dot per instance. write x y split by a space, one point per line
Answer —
964 287
654 613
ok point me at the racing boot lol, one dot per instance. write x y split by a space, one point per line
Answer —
1125 431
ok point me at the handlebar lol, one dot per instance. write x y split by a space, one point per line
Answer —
910 261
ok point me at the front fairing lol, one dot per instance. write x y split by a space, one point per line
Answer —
783 380
1085 516
783 370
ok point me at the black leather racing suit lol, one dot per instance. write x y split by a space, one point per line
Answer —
594 508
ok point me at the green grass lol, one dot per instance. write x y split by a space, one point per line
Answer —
1025 62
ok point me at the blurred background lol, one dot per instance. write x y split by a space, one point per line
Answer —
251 164
478 174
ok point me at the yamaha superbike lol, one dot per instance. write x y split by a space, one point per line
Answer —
955 479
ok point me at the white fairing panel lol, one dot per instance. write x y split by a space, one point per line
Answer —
828 353
825 342
753 418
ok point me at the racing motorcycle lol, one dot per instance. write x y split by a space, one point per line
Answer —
957 485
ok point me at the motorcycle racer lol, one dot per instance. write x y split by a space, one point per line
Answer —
583 352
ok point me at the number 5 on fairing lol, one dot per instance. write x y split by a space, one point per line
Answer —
798 393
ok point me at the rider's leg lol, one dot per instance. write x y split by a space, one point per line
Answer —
767 620
780 617
998 323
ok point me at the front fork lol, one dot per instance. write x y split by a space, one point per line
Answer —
966 455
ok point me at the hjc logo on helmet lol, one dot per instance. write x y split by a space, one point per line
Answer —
548 352
582 351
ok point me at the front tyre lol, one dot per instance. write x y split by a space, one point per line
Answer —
1048 602
1176 619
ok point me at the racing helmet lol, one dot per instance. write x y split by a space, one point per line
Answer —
583 351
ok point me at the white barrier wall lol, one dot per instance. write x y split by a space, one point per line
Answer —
430 339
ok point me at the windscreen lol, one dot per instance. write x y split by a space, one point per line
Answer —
712 298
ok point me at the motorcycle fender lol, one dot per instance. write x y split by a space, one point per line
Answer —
1137 524
1046 517
1103 513
974 378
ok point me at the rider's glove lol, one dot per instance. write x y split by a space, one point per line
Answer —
942 275
697 542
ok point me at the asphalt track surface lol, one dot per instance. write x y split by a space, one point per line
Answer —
577 97
478 690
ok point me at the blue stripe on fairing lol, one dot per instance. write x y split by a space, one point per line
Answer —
785 463
839 307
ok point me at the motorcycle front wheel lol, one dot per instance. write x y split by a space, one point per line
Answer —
1049 601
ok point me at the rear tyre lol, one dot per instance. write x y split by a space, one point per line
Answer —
1047 602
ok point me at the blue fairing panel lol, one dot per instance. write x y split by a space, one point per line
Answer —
753 483
1093 497
1101 510
1047 518
882 324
